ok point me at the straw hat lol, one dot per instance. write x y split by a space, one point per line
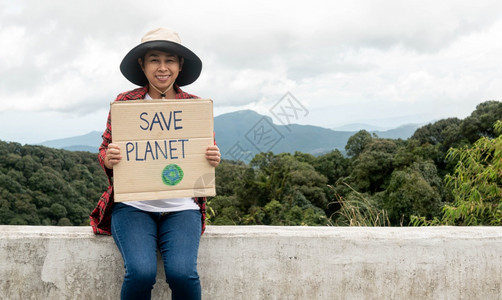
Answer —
164 40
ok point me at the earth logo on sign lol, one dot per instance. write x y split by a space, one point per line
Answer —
172 174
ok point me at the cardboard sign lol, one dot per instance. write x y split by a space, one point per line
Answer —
163 145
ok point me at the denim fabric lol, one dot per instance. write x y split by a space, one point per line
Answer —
138 234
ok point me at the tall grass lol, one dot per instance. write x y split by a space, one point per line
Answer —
358 210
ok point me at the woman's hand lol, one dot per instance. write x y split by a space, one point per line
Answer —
213 155
112 156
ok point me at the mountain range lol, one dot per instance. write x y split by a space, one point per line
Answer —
242 134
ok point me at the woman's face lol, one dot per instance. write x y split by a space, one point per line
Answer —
161 68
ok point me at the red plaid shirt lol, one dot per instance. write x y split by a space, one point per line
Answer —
101 215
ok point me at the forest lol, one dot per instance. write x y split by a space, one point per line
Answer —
448 173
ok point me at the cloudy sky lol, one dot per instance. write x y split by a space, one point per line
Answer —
381 62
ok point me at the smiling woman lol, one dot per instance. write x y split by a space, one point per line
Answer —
161 70
160 64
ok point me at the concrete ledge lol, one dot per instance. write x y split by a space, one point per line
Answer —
260 262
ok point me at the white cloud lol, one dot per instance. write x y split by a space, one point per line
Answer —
13 56
349 60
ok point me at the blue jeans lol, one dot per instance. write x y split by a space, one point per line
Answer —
138 234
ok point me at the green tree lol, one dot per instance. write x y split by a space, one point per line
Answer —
332 165
224 210
476 183
413 191
371 170
480 122
276 189
282 175
434 141
356 143
64 222
40 185
229 176
10 184
445 133
58 211
47 180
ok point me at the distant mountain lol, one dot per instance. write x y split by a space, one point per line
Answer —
401 132
242 134
82 148
245 133
238 134
359 126
88 142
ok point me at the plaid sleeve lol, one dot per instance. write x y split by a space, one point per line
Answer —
100 217
107 139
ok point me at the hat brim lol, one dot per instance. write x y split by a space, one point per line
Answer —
131 69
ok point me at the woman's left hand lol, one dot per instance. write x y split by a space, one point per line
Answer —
213 155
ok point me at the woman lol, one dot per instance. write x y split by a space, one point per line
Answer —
160 65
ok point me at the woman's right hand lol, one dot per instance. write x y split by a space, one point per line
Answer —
112 156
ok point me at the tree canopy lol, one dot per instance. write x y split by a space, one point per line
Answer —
448 172
45 186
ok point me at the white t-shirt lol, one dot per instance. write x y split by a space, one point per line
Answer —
164 205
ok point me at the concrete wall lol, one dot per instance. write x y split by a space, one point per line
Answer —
258 262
